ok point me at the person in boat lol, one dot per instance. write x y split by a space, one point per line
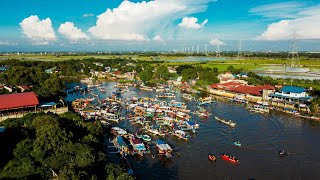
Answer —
282 153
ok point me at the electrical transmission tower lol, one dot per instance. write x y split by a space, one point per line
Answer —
293 58
240 51
218 52
206 48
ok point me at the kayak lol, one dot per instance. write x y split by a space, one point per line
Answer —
228 158
211 157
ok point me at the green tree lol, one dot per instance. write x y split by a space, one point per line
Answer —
162 72
189 74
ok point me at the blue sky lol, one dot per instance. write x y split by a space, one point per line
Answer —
116 25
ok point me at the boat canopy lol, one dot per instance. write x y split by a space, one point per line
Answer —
163 145
121 142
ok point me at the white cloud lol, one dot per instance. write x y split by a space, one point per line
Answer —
7 43
278 10
88 15
71 32
40 31
307 26
192 23
216 42
157 38
132 21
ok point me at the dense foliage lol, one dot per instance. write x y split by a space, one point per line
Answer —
39 145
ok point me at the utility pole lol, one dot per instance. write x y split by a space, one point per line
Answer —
218 53
240 51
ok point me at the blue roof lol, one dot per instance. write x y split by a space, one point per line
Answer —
160 142
293 89
121 142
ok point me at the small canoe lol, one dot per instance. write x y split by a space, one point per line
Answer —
229 158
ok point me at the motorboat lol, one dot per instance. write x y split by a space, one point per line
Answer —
228 122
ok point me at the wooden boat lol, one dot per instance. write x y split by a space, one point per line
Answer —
146 88
118 131
187 96
166 95
111 117
228 122
144 137
181 134
163 148
309 117
211 157
229 158
205 101
259 108
177 104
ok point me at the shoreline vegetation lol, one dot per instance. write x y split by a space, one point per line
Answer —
45 145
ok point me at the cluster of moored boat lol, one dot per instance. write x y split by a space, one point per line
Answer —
134 144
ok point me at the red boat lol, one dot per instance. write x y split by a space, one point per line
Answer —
229 158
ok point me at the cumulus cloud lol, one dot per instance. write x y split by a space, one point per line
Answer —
216 42
306 25
88 15
192 23
71 32
132 21
40 31
157 38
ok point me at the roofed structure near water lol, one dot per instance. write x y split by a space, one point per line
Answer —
292 89
17 101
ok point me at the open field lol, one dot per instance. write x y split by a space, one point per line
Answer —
247 64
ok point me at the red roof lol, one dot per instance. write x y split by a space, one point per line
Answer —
14 101
241 88
117 72
136 141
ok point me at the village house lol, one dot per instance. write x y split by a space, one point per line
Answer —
229 77
241 91
290 96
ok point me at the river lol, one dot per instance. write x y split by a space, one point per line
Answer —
261 135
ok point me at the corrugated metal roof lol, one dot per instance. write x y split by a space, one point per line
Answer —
12 101
240 88
292 89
